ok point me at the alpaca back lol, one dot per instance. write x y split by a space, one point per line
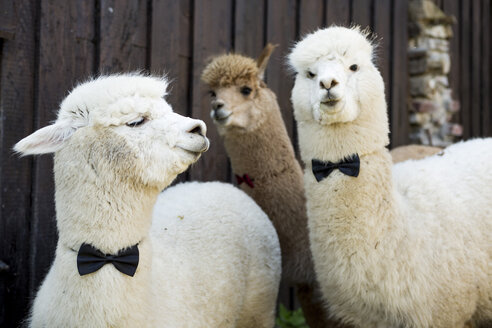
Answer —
218 227
453 183
448 198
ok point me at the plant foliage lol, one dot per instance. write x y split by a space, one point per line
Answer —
290 319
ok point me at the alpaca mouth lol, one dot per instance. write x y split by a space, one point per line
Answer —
330 102
196 148
220 115
222 119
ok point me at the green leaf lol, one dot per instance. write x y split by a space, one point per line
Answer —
290 319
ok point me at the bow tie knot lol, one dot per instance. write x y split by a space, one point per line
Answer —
349 166
90 259
246 179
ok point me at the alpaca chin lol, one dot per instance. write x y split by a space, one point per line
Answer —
340 112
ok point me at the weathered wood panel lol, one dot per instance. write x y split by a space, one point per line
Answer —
485 90
362 12
475 69
281 30
171 52
123 35
399 126
382 20
311 16
337 12
8 19
212 35
249 37
471 64
17 71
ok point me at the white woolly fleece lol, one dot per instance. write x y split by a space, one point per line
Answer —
408 245
217 257
211 257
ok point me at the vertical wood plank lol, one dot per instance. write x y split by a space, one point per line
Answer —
282 31
123 42
249 27
485 119
65 56
465 67
171 49
476 69
361 12
310 16
171 52
382 28
212 35
8 19
399 124
338 12
17 73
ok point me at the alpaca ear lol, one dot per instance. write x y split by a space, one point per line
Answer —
45 140
262 60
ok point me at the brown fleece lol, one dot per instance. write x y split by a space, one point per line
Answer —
227 70
266 154
403 153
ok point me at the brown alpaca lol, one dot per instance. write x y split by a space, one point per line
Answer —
248 118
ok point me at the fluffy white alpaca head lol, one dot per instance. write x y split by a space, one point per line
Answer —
121 125
336 76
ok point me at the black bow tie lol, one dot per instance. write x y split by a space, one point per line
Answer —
90 259
349 166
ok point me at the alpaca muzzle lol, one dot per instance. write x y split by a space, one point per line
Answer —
220 114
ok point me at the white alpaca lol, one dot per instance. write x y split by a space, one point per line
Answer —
211 257
402 246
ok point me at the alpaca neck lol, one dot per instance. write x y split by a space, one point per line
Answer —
267 156
365 205
257 152
103 210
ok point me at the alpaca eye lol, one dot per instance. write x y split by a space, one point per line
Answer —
310 74
212 94
354 67
137 122
246 91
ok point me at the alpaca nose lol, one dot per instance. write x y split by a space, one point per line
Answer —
217 104
327 83
198 127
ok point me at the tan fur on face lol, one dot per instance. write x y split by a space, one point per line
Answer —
231 69
248 112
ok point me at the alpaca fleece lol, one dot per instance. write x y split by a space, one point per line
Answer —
408 245
204 261
257 143
415 152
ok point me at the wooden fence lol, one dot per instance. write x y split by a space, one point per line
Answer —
471 56
47 46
